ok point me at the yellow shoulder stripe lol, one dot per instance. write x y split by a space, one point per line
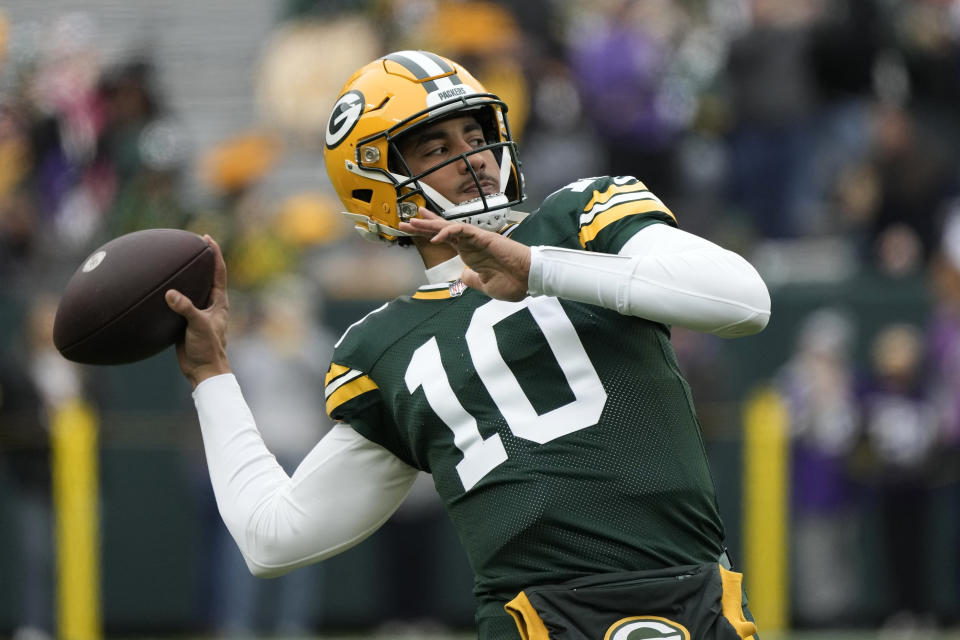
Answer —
335 371
614 189
590 231
349 391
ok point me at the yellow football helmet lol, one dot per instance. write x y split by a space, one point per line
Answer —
389 97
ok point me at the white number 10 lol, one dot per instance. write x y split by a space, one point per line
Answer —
482 456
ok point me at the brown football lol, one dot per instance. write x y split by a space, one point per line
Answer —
113 310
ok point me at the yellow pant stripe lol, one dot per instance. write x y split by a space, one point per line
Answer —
732 603
528 620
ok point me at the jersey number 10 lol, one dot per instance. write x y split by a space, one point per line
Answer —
480 456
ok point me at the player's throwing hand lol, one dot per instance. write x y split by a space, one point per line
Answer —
496 265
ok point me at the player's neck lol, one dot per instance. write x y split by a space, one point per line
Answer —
433 254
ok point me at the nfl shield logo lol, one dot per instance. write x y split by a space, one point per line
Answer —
457 288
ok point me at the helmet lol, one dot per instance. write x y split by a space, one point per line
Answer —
390 97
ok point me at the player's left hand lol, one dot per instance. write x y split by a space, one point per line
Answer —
497 266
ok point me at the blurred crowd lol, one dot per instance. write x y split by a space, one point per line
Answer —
819 138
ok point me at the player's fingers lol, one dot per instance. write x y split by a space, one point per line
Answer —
426 214
452 233
428 219
218 294
471 278
427 223
180 303
420 227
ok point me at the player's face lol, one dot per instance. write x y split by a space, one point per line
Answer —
447 139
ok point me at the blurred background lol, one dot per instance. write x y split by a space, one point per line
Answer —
818 138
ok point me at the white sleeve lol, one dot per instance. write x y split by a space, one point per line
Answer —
661 274
344 489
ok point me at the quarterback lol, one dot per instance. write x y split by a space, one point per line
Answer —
532 376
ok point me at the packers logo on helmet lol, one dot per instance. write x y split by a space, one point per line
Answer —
388 98
646 628
344 117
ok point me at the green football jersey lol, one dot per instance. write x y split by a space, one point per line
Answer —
561 436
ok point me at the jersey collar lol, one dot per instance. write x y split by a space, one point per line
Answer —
447 271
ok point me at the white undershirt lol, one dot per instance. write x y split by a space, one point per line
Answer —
348 486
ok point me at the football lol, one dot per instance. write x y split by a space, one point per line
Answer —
113 310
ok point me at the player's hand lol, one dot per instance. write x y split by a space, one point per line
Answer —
498 266
202 353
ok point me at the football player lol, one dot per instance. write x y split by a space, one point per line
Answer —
532 377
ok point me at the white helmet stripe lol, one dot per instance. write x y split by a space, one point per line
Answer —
425 66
